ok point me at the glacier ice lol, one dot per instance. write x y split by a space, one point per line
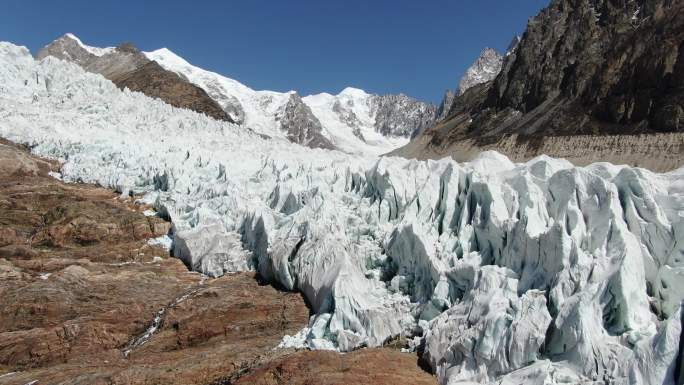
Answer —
540 272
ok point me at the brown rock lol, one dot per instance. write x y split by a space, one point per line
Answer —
366 366
153 80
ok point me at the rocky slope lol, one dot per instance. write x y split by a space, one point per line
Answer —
87 296
495 272
127 67
152 80
366 366
583 67
301 125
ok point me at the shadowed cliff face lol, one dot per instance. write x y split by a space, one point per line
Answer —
582 67
619 63
128 68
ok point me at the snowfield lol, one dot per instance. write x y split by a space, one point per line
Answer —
535 273
346 119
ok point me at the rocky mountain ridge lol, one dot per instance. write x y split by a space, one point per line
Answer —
582 67
485 69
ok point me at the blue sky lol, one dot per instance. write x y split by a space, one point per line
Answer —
416 47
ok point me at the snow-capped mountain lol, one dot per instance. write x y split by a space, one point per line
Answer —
485 69
537 273
128 68
109 62
352 121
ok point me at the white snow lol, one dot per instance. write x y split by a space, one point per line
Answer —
93 50
539 273
55 175
261 107
341 114
164 241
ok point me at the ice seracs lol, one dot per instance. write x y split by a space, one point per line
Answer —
539 272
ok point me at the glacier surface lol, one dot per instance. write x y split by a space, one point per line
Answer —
535 273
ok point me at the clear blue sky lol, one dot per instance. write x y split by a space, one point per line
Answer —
416 47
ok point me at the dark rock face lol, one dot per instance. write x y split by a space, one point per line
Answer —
618 63
445 105
126 66
152 80
582 67
301 125
485 69
108 62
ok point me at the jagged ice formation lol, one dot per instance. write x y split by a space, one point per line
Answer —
538 272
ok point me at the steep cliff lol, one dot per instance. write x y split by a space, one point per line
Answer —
582 67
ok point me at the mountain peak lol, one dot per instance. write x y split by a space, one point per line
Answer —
483 70
92 50
353 92
167 56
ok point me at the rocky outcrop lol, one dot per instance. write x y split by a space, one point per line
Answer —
484 70
400 115
366 366
129 68
445 106
583 67
301 125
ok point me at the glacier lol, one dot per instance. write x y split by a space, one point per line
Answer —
538 273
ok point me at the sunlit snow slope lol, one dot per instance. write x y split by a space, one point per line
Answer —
348 120
535 273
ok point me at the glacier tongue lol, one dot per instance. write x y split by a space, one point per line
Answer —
538 273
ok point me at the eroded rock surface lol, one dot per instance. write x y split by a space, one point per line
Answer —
367 366
589 73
